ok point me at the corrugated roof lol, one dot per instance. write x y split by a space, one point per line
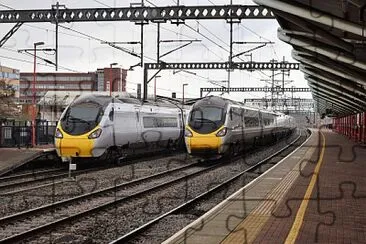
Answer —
329 40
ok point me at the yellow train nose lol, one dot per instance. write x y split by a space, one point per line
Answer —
74 147
202 144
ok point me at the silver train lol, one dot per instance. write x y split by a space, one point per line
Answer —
217 126
96 126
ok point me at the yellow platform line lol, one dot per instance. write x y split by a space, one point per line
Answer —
294 232
255 221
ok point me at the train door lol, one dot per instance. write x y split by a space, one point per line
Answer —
125 124
183 118
149 130
138 124
181 122
261 124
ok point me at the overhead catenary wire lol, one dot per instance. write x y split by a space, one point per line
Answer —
65 68
31 62
201 34
182 35
28 54
261 73
208 49
211 2
94 38
210 32
88 37
150 86
106 5
68 34
102 3
261 37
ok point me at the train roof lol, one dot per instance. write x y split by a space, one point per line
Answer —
221 101
65 98
104 100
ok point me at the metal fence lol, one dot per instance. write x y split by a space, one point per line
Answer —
19 133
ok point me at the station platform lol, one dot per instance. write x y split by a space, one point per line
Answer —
11 158
316 194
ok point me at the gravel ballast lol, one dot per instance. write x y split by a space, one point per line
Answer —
113 223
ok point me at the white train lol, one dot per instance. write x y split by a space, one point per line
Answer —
218 126
95 126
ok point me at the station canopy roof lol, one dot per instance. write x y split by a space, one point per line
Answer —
329 40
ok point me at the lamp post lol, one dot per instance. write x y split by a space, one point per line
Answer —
110 78
185 84
34 95
156 76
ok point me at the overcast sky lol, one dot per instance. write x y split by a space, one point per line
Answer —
81 53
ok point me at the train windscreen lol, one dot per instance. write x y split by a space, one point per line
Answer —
206 119
81 118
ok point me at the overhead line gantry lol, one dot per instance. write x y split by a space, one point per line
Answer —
141 14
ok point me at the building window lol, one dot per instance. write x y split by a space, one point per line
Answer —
7 133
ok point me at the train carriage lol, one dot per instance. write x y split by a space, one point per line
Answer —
217 126
95 126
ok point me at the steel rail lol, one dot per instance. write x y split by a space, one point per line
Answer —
51 178
31 181
17 176
135 232
48 226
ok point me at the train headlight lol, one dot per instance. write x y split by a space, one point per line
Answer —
188 133
95 134
58 133
221 132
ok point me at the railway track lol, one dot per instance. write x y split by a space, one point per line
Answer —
188 207
33 174
44 217
60 214
14 184
9 183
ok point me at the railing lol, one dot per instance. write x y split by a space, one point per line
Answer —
19 133
353 126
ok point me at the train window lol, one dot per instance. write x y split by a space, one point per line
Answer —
251 118
208 113
237 116
167 122
84 111
81 117
111 114
149 122
156 122
251 122
268 119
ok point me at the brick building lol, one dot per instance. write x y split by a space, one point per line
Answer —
91 81
54 82
117 75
